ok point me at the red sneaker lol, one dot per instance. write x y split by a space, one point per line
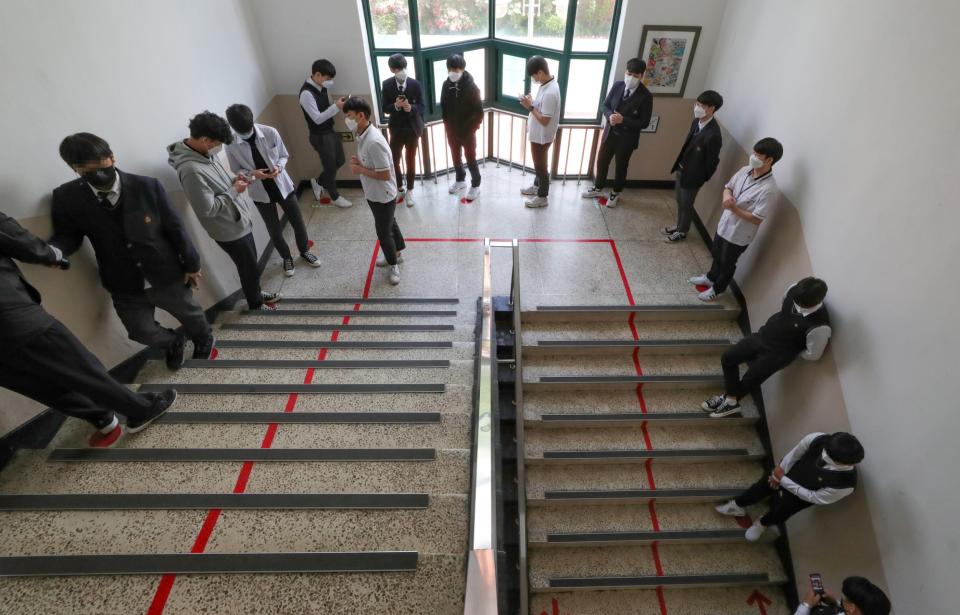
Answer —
105 440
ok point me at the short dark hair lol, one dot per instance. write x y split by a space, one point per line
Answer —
357 105
397 61
537 64
869 598
84 147
636 65
711 99
210 125
810 292
455 60
844 448
324 67
770 147
240 117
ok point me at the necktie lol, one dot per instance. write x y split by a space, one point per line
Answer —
104 200
626 94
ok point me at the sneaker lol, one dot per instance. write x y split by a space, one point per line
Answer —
613 200
473 193
265 307
312 259
730 509
700 280
675 237
592 193
317 189
713 403
395 275
708 295
669 230
536 201
529 191
457 187
203 349
106 437
161 404
175 353
725 409
755 531
271 298
342 203
382 259
288 268
408 200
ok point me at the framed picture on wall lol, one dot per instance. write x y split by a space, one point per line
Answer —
668 52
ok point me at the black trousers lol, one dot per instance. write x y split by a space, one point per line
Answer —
613 146
388 231
541 168
783 504
725 257
291 207
401 140
464 146
137 312
686 197
243 252
330 149
762 362
55 369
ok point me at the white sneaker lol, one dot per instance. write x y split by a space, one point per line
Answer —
536 201
317 189
382 259
395 275
473 193
342 202
708 295
755 531
529 191
700 280
408 200
457 187
592 193
730 509
613 200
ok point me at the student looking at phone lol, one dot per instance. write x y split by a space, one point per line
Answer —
859 597
402 98
259 154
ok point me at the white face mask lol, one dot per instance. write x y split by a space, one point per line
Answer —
755 162
630 81
351 124
454 76
698 112
328 83
401 75
245 135
213 151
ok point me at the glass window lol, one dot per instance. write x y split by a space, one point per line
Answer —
445 22
583 100
383 70
391 24
536 22
591 31
512 75
476 65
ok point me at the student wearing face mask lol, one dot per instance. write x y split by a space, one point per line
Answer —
800 328
627 109
696 162
402 98
858 597
462 116
259 154
820 470
747 200
319 112
145 256
220 201
542 126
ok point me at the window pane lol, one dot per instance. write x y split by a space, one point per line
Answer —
536 22
444 22
383 70
591 32
583 101
391 24
476 65
512 76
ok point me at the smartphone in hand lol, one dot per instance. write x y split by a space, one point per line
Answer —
816 583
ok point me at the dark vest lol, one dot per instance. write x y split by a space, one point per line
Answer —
806 473
786 331
323 101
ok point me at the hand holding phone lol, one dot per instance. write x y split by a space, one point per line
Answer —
816 584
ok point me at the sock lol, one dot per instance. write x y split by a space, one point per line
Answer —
731 400
113 425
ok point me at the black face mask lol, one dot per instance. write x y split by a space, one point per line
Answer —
101 178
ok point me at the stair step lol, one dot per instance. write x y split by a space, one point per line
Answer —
688 581
621 331
371 300
351 313
249 326
634 496
314 364
285 389
659 438
632 419
641 456
579 313
173 455
332 345
624 400
587 539
606 383
702 600
298 418
625 347
205 501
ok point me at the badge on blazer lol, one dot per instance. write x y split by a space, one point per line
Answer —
147 219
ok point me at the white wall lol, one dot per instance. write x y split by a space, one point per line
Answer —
863 95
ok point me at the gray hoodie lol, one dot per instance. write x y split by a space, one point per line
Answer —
223 213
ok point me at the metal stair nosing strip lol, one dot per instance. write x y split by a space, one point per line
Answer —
247 389
607 383
331 344
641 456
627 538
625 419
352 314
633 496
372 300
249 326
208 563
579 313
207 501
315 364
177 455
608 347
298 418
652 582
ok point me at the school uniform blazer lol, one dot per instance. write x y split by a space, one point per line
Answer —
275 154
404 120
636 112
699 155
20 311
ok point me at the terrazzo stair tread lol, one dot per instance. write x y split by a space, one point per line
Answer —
253 388
340 312
605 383
539 366
363 317
636 537
676 559
638 456
459 333
276 345
262 363
621 331
714 475
698 601
299 418
630 419
567 313
621 348
462 351
536 403
459 371
371 302
662 437
300 326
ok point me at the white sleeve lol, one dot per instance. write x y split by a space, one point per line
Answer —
309 104
820 497
797 451
766 200
803 609
817 339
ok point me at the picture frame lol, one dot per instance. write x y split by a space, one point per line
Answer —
668 52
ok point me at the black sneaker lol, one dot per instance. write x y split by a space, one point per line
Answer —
713 403
311 258
725 409
175 352
669 230
676 237
203 348
271 298
162 402
288 268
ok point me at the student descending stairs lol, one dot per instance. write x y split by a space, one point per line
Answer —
319 464
623 469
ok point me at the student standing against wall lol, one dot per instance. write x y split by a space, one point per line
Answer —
462 116
402 97
319 112
542 125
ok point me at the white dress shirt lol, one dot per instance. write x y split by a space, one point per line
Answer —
309 104
547 102
753 195
374 153
822 496
113 193
274 153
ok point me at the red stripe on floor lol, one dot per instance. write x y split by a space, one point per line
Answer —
652 508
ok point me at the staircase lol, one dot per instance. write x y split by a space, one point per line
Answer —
319 464
623 468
